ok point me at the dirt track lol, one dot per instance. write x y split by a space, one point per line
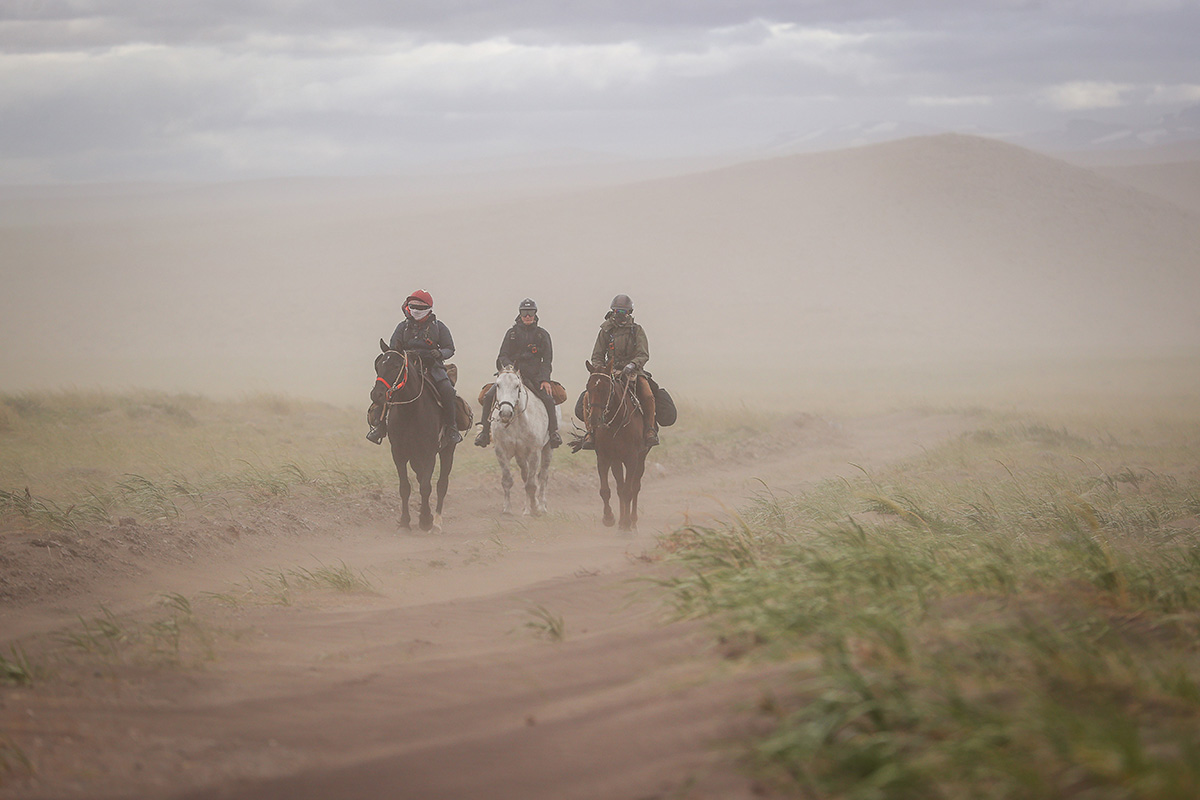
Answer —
436 686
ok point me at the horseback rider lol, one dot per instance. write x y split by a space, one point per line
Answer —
621 347
423 333
527 347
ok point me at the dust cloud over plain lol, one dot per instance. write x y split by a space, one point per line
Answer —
800 271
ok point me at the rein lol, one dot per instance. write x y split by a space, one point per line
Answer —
624 410
401 382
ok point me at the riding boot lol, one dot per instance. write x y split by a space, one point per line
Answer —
552 425
378 424
450 434
485 435
652 437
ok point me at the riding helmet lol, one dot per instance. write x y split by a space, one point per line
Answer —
528 305
622 303
421 296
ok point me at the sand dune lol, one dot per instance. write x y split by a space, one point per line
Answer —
1178 182
911 251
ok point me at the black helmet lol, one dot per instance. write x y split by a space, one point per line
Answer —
527 305
622 303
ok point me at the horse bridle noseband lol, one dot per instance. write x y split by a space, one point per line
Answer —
521 390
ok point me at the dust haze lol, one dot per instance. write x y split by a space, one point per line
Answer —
808 279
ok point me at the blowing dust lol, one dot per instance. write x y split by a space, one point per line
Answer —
941 269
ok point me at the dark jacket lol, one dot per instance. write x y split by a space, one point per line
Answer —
620 343
430 334
528 348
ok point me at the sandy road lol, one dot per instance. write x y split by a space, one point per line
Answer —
438 686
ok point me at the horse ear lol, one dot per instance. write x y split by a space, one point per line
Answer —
383 346
589 366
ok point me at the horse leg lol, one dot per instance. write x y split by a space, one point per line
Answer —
634 477
425 483
529 474
622 479
544 476
602 464
506 480
445 464
405 493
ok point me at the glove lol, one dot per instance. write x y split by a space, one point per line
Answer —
629 370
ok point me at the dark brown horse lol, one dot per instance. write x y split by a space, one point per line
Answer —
414 428
615 419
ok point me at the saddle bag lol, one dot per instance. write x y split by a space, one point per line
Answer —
579 406
665 412
464 417
558 393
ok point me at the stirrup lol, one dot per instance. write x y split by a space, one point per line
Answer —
450 435
377 434
483 439
651 439
555 439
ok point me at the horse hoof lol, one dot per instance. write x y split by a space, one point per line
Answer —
437 525
609 522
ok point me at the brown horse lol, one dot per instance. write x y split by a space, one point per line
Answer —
615 419
414 427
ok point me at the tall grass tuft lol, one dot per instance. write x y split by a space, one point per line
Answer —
1001 618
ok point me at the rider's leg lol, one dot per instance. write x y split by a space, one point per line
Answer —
551 413
646 396
449 398
581 411
485 436
375 415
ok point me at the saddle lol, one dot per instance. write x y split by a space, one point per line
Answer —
557 392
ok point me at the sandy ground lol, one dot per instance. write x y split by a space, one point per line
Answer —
434 686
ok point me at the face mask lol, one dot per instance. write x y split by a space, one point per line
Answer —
419 313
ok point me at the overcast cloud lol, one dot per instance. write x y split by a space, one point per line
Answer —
160 89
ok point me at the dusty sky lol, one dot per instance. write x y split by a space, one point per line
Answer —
230 89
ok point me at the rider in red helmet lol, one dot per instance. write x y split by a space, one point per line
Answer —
422 332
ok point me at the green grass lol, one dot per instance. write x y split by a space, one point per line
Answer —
18 670
547 624
1013 615
71 461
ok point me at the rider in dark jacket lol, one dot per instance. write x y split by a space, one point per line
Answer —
422 332
527 347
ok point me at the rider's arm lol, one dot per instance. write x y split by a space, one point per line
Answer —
547 354
445 342
600 351
506 355
641 348
397 342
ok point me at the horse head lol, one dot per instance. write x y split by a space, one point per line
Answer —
391 367
508 393
599 392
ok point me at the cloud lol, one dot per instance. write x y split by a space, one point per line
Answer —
969 100
1086 95
1174 95
361 84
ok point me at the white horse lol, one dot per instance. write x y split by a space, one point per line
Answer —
519 431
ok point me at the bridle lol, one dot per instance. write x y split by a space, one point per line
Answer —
401 382
518 407
623 413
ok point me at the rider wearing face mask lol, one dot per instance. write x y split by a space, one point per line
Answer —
423 333
621 346
527 347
